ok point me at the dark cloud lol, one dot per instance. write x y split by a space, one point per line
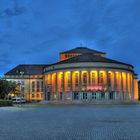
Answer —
15 10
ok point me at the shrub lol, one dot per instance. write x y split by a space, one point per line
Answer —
5 103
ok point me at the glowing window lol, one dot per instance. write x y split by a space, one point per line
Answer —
76 79
109 79
93 78
84 78
101 78
68 80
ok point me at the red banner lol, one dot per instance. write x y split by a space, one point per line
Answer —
94 88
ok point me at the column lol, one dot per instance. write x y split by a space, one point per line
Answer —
106 83
126 86
80 81
63 88
71 84
51 87
122 86
131 87
55 94
89 78
70 80
44 87
115 86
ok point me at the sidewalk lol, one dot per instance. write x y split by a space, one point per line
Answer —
99 102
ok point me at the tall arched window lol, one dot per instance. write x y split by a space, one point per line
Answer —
69 80
101 78
84 78
61 79
109 79
93 78
76 80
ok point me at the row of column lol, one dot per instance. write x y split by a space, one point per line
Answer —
121 82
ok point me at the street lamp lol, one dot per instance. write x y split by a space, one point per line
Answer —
21 73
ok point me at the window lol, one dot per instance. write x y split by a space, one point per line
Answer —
76 79
93 78
84 78
94 95
101 78
33 86
33 95
61 78
69 80
38 86
109 79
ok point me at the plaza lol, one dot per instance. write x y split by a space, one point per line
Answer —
70 122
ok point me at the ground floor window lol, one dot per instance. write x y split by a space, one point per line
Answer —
76 95
84 95
93 95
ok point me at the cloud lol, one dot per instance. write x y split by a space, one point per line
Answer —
14 10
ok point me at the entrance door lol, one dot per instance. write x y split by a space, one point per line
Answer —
75 95
102 95
85 95
49 96
61 95
111 95
93 96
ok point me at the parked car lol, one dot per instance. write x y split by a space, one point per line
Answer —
18 100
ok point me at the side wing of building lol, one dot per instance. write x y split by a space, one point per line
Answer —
30 79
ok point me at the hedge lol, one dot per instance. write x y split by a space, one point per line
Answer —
5 103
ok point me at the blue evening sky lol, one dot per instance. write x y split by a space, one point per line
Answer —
35 31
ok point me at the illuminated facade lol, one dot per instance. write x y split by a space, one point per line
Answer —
139 88
82 74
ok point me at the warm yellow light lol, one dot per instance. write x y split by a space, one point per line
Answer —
84 71
102 71
67 72
110 72
76 71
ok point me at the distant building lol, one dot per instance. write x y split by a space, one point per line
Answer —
81 74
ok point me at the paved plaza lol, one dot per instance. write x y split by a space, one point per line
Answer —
70 122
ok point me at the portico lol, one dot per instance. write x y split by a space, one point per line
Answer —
92 82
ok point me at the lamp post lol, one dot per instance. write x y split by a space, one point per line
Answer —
21 73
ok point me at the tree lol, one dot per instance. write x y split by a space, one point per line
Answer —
6 87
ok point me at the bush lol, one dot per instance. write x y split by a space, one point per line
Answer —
5 103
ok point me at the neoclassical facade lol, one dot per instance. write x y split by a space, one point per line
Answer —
81 74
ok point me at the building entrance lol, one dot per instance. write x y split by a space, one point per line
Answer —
93 95
76 95
85 97
49 96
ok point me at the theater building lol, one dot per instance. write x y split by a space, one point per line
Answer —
81 74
